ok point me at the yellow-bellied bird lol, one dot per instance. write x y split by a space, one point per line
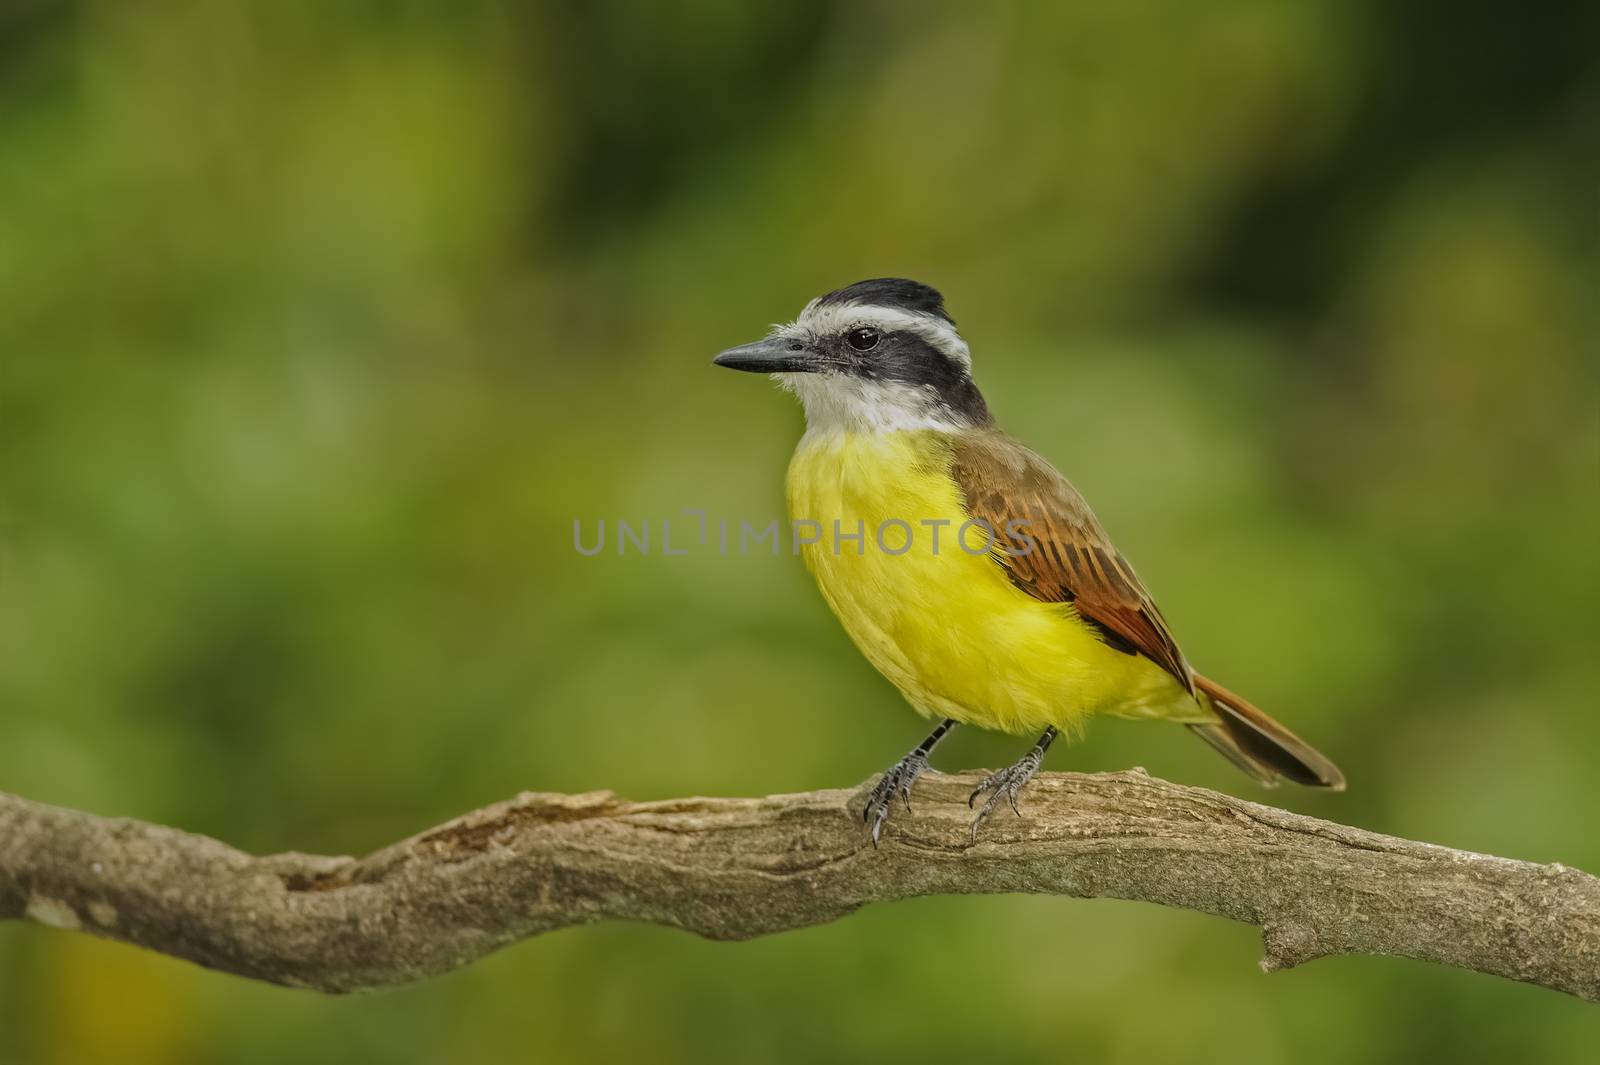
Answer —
967 570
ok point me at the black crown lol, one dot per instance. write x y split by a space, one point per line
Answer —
898 292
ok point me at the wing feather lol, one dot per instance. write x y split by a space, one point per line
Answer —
1053 548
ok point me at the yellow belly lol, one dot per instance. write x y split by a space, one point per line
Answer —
947 627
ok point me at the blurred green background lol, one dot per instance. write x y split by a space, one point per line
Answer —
321 323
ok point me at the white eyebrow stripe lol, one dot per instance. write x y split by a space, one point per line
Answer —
837 317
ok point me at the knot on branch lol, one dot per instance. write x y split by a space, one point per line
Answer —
1289 943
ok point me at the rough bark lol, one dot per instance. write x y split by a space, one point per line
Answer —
736 868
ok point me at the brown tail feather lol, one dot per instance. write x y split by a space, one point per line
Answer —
1223 743
1259 745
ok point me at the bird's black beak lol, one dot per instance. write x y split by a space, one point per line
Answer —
772 355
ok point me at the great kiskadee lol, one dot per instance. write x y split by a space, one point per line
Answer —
967 570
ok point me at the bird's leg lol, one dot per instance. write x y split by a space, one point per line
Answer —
1009 782
899 778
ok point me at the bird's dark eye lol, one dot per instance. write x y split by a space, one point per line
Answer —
863 339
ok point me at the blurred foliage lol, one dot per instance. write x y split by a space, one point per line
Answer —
321 323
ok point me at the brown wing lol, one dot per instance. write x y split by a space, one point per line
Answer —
1049 542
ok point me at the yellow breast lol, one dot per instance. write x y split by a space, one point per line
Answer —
934 612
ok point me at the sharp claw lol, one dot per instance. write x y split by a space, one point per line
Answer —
899 779
877 826
982 787
988 783
1008 783
983 815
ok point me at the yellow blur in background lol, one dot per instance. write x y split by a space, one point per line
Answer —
320 325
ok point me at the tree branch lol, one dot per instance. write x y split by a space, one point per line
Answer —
736 868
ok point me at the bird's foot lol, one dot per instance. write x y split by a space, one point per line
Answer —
897 780
1008 784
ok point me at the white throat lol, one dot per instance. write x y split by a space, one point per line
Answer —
839 403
